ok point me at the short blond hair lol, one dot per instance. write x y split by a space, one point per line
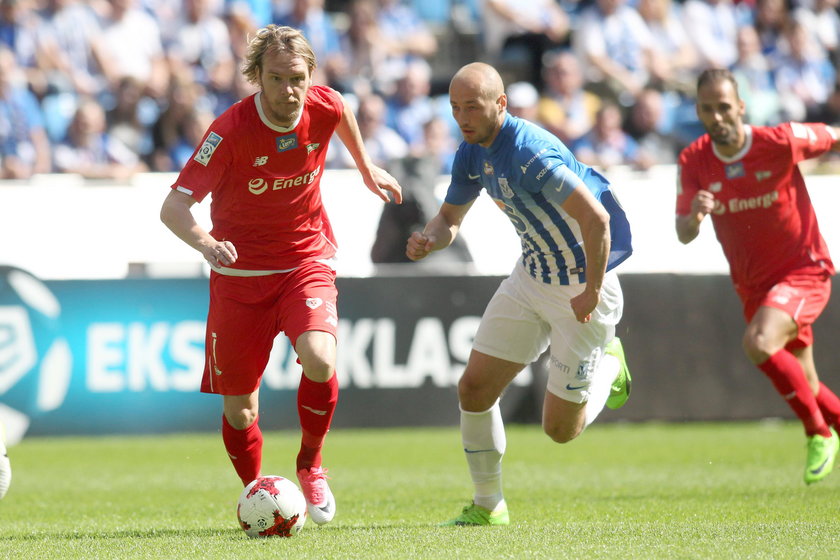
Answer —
277 37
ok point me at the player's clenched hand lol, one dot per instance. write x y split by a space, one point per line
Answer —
584 304
702 203
418 246
380 182
220 253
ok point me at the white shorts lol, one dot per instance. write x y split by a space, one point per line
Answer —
525 316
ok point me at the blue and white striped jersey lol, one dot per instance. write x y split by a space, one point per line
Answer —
529 172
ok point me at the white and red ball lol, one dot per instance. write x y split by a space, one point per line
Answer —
271 506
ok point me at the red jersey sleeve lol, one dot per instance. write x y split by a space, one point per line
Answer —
209 164
807 140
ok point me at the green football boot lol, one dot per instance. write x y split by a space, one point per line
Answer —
620 391
821 454
474 515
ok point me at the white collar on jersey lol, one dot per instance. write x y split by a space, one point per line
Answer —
270 124
748 137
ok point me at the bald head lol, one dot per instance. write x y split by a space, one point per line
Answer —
481 78
478 101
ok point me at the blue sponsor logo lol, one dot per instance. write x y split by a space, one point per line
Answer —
735 170
285 143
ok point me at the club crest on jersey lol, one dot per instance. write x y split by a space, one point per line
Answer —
488 168
285 143
312 147
735 170
507 192
207 148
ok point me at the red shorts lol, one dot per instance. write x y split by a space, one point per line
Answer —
802 296
247 313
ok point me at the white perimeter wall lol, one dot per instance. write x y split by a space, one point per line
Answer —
60 227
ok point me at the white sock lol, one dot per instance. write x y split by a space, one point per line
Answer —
483 436
599 391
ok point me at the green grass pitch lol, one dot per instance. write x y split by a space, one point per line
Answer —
646 491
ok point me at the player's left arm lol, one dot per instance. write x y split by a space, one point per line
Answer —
376 179
594 222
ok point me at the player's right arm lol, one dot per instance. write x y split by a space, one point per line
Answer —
439 233
688 225
176 214
693 201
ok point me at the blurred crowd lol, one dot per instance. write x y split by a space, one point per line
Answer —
109 88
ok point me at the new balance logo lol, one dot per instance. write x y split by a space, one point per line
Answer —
262 160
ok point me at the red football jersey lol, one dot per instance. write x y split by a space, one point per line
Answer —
266 180
763 217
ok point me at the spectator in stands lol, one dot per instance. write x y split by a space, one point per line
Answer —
382 143
168 14
410 106
249 14
615 44
201 49
438 145
566 109
130 45
24 145
363 46
677 60
127 121
712 26
90 152
523 101
518 33
770 20
647 127
64 48
19 29
607 145
804 76
407 37
822 19
756 80
183 98
309 16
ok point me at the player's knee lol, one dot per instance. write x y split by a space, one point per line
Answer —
755 347
562 434
318 369
474 396
241 419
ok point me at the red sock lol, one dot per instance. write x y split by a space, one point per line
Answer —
829 406
244 447
316 405
786 373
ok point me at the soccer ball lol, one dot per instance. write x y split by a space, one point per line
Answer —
271 506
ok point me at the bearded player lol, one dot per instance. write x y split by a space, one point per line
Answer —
747 179
271 247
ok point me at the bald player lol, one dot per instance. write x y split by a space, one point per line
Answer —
562 292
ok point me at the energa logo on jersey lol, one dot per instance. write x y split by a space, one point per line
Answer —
35 358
